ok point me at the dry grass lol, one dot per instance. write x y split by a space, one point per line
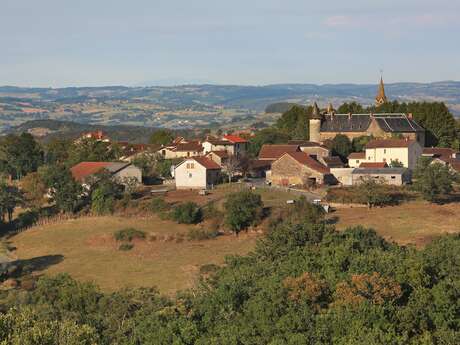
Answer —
415 222
91 254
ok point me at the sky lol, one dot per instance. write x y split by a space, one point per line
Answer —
57 43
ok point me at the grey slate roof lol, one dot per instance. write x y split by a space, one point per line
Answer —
360 122
379 171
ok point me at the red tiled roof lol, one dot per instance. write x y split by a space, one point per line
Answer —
357 155
85 169
221 154
305 159
373 165
207 163
276 151
235 139
389 143
306 143
439 152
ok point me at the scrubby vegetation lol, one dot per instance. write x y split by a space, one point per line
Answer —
242 209
187 213
304 283
129 234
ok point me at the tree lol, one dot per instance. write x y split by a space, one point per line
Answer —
161 137
352 107
396 164
104 192
57 151
64 190
10 198
19 155
373 192
340 146
92 150
187 213
231 166
295 122
34 189
266 136
433 179
358 144
242 210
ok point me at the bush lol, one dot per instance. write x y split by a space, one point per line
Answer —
129 234
159 205
126 246
201 234
242 210
188 213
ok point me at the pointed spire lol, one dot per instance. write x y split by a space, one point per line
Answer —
316 114
381 97
330 109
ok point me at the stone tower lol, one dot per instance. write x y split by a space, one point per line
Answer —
381 97
315 124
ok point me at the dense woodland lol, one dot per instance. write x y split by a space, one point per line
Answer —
305 283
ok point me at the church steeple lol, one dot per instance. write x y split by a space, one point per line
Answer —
381 97
316 113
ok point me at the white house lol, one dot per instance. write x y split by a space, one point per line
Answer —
404 151
233 144
197 173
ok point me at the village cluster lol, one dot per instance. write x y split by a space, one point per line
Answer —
391 156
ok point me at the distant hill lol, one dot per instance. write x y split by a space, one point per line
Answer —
49 129
197 106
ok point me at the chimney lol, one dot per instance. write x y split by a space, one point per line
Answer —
349 116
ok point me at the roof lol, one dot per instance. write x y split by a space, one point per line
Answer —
379 171
372 165
276 151
333 162
305 159
392 123
357 155
439 152
306 143
188 147
84 169
221 154
389 143
207 163
455 164
235 139
260 164
217 141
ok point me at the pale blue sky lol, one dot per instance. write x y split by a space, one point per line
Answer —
130 42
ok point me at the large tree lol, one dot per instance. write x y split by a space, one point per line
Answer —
266 136
19 155
295 122
162 137
10 198
433 179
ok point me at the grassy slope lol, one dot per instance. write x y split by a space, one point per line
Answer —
91 254
415 222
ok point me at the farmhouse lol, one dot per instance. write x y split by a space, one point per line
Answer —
121 172
197 173
273 152
299 168
312 148
233 144
393 176
182 150
220 157
404 151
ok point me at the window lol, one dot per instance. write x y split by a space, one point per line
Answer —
192 165
384 151
393 177
190 175
188 165
357 161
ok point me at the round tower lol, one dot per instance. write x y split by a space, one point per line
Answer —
315 124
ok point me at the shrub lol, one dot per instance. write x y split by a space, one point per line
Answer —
129 234
187 213
201 234
126 246
242 210
159 205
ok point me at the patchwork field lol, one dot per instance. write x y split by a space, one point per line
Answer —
85 248
415 222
